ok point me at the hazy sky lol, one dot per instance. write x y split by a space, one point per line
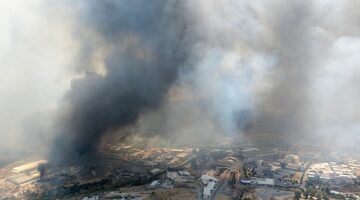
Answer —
35 52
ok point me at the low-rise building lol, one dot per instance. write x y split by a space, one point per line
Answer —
207 178
208 190
259 181
28 166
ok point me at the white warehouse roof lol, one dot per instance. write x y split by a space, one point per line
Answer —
29 166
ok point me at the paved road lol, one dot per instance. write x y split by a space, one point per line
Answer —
303 183
224 179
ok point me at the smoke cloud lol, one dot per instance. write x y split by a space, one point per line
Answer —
166 71
143 51
36 53
241 68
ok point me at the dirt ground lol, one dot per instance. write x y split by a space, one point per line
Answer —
222 197
172 194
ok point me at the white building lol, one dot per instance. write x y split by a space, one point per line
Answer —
184 173
154 183
267 181
28 166
206 179
208 190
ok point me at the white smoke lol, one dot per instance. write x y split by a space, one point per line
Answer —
228 84
336 91
36 52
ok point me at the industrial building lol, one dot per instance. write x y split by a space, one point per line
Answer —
28 166
24 178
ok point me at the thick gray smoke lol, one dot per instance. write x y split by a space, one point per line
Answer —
176 72
284 105
304 38
144 51
241 68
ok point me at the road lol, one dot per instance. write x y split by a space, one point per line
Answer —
304 178
225 177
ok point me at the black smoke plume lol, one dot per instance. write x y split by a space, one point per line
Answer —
145 50
248 67
42 169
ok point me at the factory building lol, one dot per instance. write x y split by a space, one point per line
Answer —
24 178
28 166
